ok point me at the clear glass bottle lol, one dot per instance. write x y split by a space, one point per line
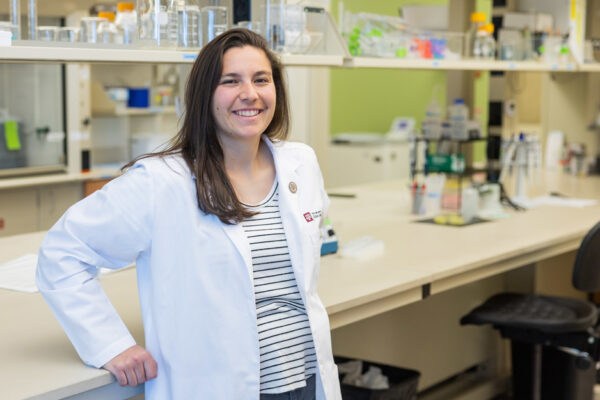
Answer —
15 18
188 20
489 44
270 16
157 22
458 114
214 22
32 19
126 22
107 31
477 21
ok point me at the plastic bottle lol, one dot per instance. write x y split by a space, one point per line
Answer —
126 22
107 31
432 123
458 114
477 20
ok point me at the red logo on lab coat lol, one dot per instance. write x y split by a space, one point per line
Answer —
308 217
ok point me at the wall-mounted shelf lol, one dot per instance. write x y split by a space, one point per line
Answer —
28 52
462 65
590 67
120 112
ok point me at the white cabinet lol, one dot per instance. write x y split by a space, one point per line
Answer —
351 164
37 208
18 211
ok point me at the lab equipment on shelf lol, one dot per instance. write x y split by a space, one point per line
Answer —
68 34
484 45
458 114
477 22
32 19
126 22
270 15
188 22
431 126
522 153
107 31
214 21
157 22
47 33
15 18
89 29
385 36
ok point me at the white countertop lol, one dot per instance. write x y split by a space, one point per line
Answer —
33 344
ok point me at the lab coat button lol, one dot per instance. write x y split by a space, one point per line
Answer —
293 187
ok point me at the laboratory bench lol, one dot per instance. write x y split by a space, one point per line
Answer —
427 277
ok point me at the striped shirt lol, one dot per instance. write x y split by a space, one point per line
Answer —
287 352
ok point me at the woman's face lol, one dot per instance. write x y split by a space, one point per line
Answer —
244 101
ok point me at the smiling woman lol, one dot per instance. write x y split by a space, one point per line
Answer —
244 101
227 262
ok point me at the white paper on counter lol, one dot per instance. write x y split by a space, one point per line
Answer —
562 202
19 274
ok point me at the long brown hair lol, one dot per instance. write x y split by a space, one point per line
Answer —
197 140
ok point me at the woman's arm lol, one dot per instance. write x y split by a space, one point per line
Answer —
110 228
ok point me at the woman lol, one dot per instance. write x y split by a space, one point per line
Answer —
224 227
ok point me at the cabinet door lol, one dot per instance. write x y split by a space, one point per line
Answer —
18 211
54 201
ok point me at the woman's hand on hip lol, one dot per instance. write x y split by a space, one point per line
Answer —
133 366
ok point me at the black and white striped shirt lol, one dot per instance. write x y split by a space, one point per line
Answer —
287 352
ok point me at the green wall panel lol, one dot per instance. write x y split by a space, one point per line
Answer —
367 100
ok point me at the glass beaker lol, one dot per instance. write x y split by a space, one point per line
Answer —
32 19
188 20
296 39
15 18
47 33
270 15
89 29
157 22
214 22
68 34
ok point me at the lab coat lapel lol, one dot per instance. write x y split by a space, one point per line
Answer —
290 211
240 241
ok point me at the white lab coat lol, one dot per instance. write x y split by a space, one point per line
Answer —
194 277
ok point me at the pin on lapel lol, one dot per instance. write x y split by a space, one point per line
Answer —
293 187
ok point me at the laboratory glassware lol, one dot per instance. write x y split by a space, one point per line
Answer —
477 21
8 27
157 22
89 29
188 20
214 22
458 114
296 38
68 34
47 33
32 19
107 31
15 18
271 16
126 22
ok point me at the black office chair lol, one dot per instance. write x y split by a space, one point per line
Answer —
554 340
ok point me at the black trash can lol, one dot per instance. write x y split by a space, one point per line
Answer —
403 383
